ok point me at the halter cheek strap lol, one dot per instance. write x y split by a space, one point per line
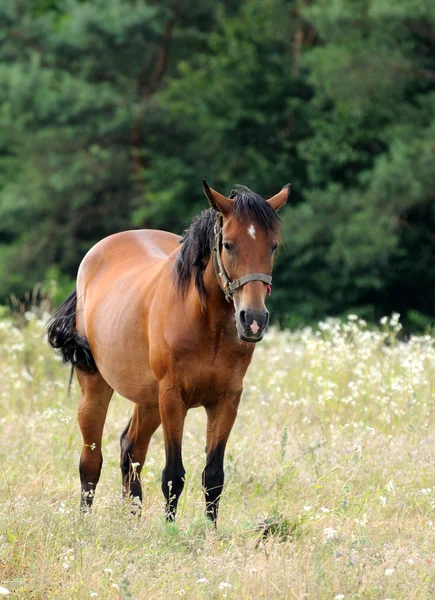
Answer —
229 287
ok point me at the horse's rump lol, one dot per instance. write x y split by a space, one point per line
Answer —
109 275
117 283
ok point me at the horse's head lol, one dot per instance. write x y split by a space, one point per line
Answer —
246 238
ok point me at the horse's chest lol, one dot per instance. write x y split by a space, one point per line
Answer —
208 376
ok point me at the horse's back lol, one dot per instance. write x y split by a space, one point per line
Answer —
116 284
145 248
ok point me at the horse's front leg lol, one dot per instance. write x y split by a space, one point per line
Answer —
172 413
220 421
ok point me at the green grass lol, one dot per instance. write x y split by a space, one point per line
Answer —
330 483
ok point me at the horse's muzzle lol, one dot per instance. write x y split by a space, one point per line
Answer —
251 324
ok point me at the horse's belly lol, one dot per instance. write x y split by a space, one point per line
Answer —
115 330
123 361
129 376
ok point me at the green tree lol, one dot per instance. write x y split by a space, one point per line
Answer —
77 88
111 112
363 238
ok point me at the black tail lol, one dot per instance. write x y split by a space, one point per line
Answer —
63 336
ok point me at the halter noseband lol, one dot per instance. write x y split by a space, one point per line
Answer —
229 287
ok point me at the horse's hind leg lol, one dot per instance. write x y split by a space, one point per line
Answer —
134 446
94 401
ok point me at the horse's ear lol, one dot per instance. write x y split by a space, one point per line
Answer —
280 198
217 201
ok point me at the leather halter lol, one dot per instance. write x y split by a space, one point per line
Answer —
229 287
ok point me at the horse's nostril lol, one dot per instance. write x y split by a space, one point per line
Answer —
254 321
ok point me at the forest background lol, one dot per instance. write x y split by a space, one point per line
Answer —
112 111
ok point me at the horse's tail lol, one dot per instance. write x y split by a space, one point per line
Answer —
63 336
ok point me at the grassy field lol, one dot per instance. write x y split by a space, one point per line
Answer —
330 479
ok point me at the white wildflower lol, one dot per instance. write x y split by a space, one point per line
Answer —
225 585
395 317
363 521
330 533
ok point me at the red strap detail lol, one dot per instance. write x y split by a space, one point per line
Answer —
269 289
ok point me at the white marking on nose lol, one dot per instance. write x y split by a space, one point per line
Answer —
254 327
251 231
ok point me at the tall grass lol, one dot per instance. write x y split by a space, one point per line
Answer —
330 481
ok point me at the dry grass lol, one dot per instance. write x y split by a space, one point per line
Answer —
332 455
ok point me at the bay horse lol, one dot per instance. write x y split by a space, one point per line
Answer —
170 323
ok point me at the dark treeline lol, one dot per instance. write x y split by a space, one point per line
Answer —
112 111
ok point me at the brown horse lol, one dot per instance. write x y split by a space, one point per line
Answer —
170 323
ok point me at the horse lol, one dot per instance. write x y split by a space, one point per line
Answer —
170 323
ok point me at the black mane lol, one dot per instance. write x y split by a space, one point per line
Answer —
197 241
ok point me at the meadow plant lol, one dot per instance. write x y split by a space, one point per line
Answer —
330 489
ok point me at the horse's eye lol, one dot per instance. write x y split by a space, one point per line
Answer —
274 248
228 247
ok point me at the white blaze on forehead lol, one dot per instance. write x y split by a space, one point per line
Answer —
254 327
251 231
